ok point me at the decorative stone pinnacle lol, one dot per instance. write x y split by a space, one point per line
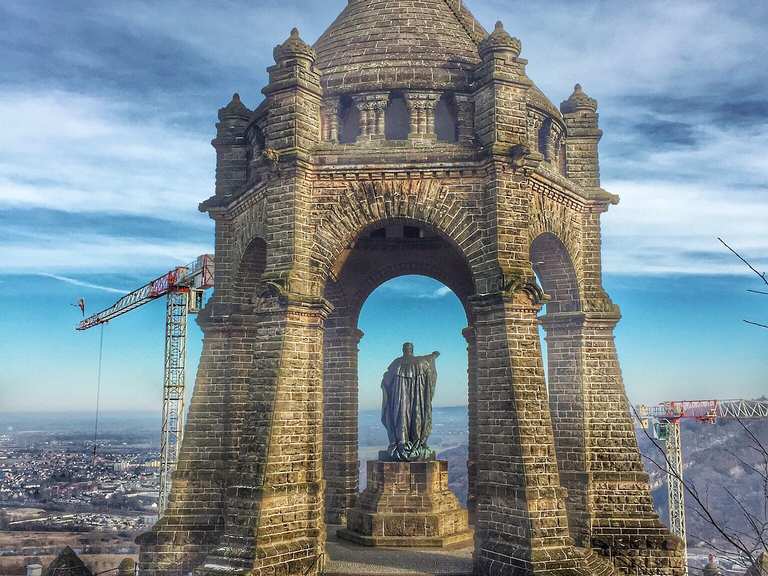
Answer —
500 41
294 47
578 101
235 109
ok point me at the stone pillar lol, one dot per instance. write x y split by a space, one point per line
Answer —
372 107
275 499
521 525
194 520
567 405
421 106
620 500
329 112
469 336
465 113
340 414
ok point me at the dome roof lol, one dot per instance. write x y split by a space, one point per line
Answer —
389 44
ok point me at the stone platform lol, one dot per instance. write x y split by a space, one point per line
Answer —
344 558
407 504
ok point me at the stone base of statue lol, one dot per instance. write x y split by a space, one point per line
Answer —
407 504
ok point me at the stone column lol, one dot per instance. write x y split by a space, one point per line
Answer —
465 112
620 499
521 525
194 520
421 106
469 336
329 112
275 498
340 444
372 107
567 405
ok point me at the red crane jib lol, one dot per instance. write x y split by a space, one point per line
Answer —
197 275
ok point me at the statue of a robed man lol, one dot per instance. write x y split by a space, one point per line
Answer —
406 408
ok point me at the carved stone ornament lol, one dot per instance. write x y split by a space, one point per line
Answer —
517 156
272 157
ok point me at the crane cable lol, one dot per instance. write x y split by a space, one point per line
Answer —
98 395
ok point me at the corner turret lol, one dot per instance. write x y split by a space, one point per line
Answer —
581 120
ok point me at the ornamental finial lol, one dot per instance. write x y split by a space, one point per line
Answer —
578 101
500 41
293 47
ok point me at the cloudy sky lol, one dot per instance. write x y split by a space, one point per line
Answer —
106 113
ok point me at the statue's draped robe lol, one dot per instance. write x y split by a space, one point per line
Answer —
406 409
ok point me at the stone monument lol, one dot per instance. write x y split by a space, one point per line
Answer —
407 502
408 139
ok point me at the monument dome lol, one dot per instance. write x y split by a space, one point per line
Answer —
375 44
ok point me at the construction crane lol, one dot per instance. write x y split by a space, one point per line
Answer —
666 419
183 287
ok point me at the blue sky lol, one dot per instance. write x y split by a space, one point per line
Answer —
107 110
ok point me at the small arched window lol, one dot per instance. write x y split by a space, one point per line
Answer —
396 118
446 120
349 121
546 126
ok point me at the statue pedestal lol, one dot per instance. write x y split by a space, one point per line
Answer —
407 504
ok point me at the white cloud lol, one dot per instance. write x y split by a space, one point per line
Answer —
76 282
96 253
678 201
76 153
417 287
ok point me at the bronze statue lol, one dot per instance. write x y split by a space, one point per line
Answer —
406 408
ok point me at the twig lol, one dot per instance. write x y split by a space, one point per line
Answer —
739 256
756 324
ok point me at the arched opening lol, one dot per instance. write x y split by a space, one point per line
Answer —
556 274
446 119
251 267
419 300
396 118
399 269
561 348
349 121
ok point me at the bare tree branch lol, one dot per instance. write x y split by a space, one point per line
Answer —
740 257
746 552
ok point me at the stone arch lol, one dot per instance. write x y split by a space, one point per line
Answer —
249 271
557 275
371 260
458 285
547 216
426 202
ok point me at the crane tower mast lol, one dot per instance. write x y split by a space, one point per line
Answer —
183 287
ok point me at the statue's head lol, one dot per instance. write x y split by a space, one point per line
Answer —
408 349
